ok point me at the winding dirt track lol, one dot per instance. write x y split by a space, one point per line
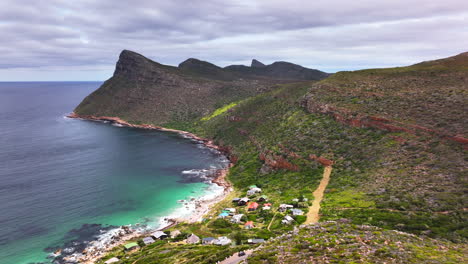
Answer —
313 214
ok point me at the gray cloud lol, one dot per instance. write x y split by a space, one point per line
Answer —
78 36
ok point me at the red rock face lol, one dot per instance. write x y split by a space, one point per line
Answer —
346 117
277 162
321 160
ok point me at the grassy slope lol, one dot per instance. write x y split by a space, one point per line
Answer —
331 242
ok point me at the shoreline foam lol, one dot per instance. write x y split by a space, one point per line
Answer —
194 210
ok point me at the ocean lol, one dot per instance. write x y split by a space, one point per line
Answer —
64 182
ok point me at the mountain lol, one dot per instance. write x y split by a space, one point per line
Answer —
394 138
142 90
280 70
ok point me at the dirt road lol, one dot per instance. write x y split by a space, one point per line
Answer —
313 214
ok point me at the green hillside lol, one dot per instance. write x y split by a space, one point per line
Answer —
397 141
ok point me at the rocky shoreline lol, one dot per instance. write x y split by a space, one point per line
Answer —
97 249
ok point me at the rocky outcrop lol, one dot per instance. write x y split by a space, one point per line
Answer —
354 119
256 64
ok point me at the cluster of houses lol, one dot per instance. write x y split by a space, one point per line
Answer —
220 241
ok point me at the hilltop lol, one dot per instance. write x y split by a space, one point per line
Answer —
396 139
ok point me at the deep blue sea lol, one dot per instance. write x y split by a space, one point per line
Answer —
63 181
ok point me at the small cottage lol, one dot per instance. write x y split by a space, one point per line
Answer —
193 239
287 220
243 201
159 235
253 191
208 240
252 206
131 246
223 215
222 241
230 210
237 218
297 212
249 225
236 200
263 198
111 260
175 233
284 207
148 240
255 241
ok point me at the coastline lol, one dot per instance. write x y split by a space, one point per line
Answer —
199 206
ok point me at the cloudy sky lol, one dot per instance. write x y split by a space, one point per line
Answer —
81 40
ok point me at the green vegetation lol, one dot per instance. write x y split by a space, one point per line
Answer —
332 242
219 111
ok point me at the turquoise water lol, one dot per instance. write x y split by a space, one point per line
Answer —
63 180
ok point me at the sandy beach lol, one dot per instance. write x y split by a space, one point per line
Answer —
197 207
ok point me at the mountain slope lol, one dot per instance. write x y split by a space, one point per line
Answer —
142 90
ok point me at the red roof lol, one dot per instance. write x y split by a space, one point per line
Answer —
267 204
253 205
249 223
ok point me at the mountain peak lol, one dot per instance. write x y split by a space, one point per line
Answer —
257 64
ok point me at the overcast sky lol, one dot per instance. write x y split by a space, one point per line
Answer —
81 40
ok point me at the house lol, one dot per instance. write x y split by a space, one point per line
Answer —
252 186
263 198
208 240
131 246
284 207
237 218
266 207
175 233
159 235
297 212
295 200
223 215
243 201
193 239
287 220
253 191
111 260
148 240
255 241
249 225
222 241
252 206
230 210
236 200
